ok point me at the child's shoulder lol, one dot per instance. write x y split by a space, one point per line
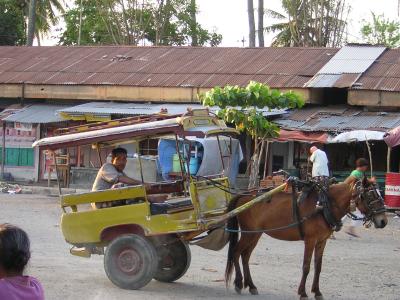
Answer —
27 287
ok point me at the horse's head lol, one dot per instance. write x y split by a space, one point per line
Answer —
370 202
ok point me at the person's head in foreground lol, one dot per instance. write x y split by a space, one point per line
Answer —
118 158
14 256
362 164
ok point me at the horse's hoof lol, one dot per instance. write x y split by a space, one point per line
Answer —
303 298
320 297
253 291
238 290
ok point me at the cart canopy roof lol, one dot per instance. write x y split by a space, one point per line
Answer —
198 124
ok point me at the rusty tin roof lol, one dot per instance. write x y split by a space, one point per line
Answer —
161 66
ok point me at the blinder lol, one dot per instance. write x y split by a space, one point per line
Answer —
371 198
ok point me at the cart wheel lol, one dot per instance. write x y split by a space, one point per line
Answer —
174 261
130 261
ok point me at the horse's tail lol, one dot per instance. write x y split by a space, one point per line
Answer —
232 225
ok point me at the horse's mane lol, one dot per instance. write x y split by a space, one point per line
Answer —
350 180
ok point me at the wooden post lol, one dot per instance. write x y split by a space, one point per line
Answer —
57 177
370 155
78 159
99 154
3 150
181 164
141 168
266 159
221 155
389 150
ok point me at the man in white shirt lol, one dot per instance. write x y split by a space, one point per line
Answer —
320 163
320 170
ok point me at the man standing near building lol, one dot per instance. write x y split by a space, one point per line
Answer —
320 170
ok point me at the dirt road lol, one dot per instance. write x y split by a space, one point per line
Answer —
365 268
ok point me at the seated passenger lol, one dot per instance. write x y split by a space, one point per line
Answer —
111 175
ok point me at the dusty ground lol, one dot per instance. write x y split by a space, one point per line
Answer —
366 268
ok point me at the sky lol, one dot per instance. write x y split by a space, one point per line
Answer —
229 18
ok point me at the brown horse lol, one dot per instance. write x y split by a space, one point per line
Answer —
266 216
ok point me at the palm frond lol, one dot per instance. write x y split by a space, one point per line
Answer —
277 27
274 14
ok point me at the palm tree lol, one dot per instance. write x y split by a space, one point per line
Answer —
283 38
252 26
261 23
309 23
46 15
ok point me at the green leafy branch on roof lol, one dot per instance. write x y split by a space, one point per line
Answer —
242 106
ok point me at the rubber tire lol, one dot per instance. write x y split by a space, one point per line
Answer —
180 254
145 252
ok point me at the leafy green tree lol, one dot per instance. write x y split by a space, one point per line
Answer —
12 23
381 31
239 106
93 31
161 22
310 23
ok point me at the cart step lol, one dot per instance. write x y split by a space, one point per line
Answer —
82 252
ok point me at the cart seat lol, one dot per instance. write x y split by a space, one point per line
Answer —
171 206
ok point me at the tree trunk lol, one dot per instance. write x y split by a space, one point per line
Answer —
260 23
248 153
31 22
193 23
255 163
252 26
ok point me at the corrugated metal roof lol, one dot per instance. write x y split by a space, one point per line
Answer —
323 80
161 66
384 74
135 109
352 59
337 119
346 80
346 66
36 113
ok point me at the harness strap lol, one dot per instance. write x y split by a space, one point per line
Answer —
296 211
336 225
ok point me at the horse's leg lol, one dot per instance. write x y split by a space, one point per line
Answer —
248 282
318 254
309 245
241 245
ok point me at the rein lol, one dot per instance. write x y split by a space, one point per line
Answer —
276 228
234 192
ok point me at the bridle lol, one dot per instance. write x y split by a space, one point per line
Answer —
371 198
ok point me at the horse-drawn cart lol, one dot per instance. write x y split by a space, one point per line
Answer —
142 239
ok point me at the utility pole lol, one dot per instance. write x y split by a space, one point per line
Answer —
80 24
31 22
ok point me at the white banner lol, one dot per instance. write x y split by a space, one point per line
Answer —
392 190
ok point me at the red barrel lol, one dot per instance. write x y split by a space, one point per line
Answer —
392 190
